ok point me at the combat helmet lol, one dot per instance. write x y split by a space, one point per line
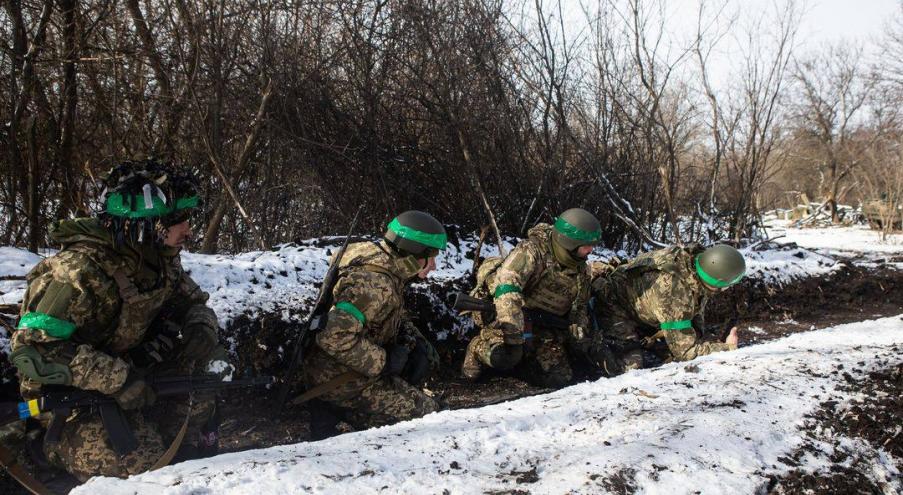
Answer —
720 266
574 228
142 198
416 233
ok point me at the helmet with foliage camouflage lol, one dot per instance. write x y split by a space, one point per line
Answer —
720 266
141 199
416 233
576 227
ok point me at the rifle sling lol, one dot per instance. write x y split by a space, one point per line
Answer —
322 388
119 432
8 461
170 453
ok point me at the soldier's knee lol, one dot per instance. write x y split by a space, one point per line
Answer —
504 356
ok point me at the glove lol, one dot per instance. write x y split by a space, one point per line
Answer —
396 358
134 393
153 351
418 365
577 332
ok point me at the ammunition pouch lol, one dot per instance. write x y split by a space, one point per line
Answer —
32 365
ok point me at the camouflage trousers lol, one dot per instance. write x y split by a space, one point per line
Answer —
84 449
624 338
545 359
367 401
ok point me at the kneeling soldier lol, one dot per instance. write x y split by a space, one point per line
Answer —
546 273
368 332
662 294
113 307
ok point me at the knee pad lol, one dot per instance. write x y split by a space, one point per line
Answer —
504 356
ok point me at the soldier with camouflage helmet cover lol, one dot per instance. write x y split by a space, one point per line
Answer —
662 294
546 272
368 332
114 306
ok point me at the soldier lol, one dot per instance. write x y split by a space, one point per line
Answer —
113 307
369 333
546 272
662 294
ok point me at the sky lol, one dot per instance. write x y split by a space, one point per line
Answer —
823 22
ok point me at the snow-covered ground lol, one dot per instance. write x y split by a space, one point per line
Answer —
719 425
853 242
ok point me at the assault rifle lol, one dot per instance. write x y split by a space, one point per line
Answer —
539 318
62 401
316 321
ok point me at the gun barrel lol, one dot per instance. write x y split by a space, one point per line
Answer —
185 384
464 302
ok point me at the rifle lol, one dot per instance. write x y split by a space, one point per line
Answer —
316 321
544 319
62 401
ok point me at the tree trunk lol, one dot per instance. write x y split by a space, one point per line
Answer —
34 220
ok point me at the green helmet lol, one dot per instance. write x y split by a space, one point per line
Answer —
720 266
141 199
576 227
416 233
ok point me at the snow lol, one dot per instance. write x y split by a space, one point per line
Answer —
719 425
844 241
16 263
780 266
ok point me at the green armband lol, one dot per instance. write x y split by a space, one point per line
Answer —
503 289
352 310
677 325
51 325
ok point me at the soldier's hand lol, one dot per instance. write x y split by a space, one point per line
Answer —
732 338
135 393
396 358
577 332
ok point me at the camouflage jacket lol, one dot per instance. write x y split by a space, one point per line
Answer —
369 308
660 291
531 277
89 304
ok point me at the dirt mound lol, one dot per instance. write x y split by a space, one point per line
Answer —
874 416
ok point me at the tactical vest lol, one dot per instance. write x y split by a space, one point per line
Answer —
138 308
552 290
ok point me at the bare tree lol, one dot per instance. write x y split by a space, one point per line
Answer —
834 90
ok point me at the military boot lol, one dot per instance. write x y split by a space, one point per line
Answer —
472 367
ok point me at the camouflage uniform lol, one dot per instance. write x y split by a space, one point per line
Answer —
531 276
369 316
102 303
656 295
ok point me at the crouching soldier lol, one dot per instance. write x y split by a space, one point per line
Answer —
368 335
662 295
112 308
546 274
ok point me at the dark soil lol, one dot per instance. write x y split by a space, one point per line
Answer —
875 417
